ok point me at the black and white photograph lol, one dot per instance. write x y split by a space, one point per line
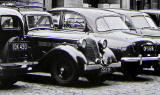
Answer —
79 47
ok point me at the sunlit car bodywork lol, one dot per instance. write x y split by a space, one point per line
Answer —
141 24
134 52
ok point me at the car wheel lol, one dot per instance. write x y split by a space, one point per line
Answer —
129 72
7 83
64 72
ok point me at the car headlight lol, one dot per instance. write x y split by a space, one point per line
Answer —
82 43
103 43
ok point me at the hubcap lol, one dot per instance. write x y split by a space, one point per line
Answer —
64 71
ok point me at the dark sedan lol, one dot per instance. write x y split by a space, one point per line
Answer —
134 52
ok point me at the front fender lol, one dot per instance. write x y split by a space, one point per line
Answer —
70 51
109 56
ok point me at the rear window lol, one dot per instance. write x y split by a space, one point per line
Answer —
10 22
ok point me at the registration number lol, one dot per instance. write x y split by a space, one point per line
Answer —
106 70
148 48
19 46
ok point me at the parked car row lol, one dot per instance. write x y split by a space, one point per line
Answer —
72 42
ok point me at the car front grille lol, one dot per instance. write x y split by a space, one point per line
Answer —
146 49
91 50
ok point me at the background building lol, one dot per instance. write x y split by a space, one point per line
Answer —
125 4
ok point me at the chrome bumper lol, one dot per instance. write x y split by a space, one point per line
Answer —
140 59
92 67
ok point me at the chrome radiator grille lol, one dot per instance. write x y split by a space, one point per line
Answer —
91 50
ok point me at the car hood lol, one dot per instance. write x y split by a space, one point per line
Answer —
119 38
61 35
150 32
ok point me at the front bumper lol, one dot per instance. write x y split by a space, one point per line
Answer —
92 67
140 60
13 70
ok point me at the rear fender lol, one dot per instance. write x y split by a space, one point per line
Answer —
73 53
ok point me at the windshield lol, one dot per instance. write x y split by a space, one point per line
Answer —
143 22
110 23
38 21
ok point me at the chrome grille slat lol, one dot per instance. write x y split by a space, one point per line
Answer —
92 51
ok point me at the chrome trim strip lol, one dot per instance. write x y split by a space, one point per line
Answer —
138 59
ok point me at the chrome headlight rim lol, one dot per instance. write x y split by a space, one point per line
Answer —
103 43
82 43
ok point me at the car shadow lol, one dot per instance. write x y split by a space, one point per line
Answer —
150 72
83 82
120 78
12 87
80 83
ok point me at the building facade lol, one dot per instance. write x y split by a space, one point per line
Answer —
125 4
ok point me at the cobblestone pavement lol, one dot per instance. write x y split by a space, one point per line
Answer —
115 84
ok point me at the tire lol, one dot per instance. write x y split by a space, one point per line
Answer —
7 83
64 71
129 72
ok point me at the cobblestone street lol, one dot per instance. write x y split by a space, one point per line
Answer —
115 84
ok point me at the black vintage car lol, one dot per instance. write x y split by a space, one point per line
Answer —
12 50
134 52
141 24
65 53
154 14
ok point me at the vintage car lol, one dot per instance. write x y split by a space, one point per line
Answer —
134 52
141 24
12 53
154 14
65 53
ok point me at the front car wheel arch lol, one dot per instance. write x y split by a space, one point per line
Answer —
51 58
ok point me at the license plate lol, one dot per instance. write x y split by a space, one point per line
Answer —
19 46
148 48
106 70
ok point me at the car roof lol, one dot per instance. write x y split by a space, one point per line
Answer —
87 12
151 11
8 11
90 14
35 13
126 12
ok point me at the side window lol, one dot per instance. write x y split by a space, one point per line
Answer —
9 22
73 21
